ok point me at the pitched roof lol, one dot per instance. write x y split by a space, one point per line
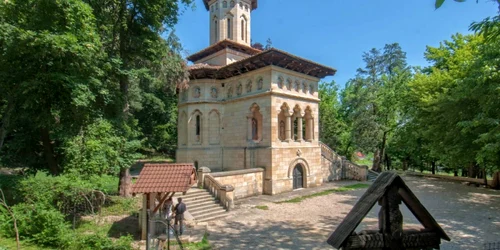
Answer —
254 4
220 45
162 178
371 196
265 58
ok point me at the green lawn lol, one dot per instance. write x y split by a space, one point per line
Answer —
10 244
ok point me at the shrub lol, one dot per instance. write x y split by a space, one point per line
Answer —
43 225
95 241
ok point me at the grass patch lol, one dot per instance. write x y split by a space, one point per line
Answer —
202 245
326 192
262 207
117 205
10 243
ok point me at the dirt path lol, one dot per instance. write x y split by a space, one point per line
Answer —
469 215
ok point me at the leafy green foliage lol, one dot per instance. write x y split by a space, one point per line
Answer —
333 129
45 226
99 150
372 100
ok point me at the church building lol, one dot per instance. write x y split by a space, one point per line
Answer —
249 108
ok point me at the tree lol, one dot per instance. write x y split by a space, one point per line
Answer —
7 209
49 77
439 3
269 44
141 61
373 99
331 125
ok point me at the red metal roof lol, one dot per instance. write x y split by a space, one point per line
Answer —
162 178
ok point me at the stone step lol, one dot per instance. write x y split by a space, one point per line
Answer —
197 199
194 194
213 217
193 209
207 211
195 205
210 214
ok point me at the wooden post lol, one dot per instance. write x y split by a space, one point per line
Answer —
391 219
144 217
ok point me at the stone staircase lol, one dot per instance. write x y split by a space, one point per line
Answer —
372 175
202 205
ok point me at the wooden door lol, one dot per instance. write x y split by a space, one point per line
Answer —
298 179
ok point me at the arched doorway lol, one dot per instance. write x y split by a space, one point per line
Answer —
298 177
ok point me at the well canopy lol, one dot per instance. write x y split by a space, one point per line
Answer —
164 178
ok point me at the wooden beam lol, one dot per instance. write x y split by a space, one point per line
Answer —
162 200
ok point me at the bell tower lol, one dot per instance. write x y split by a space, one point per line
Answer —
230 19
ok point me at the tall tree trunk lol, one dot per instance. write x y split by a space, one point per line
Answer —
485 176
376 161
496 180
433 167
5 122
125 184
405 164
388 162
48 151
379 155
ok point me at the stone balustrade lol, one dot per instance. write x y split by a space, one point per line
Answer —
348 170
223 193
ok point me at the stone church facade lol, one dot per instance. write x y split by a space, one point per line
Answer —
246 108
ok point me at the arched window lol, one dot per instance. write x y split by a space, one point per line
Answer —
231 4
216 30
254 123
309 125
284 119
224 4
243 29
198 126
297 124
282 130
229 28
255 130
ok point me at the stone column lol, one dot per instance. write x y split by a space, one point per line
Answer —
228 196
288 127
201 176
309 129
299 128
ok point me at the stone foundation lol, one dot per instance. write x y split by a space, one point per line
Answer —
246 183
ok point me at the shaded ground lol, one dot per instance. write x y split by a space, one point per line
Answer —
469 215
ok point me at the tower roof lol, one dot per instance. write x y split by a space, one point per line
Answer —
226 43
254 4
265 58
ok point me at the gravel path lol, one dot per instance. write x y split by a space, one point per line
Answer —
469 215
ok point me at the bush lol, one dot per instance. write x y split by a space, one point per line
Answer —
91 242
45 226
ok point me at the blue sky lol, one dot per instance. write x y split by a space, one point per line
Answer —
337 32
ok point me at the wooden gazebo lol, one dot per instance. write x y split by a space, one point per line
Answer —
388 190
157 182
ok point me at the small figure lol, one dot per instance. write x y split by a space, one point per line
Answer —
179 210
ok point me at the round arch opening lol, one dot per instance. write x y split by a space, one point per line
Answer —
298 176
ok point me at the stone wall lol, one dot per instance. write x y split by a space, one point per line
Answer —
246 183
